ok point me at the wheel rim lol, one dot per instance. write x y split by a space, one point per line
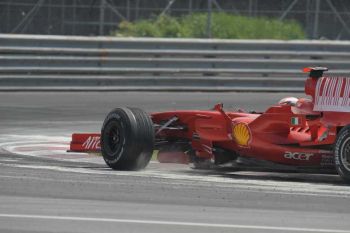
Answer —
114 138
345 154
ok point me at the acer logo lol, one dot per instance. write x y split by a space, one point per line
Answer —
298 156
92 143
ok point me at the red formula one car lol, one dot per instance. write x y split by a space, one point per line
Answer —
300 133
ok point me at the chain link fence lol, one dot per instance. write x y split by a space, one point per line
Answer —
329 19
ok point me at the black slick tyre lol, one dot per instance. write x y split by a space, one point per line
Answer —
342 153
127 139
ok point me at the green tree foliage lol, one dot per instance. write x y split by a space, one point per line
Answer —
224 26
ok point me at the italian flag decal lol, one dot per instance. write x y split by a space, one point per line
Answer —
294 121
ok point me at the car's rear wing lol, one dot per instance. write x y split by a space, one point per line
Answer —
329 94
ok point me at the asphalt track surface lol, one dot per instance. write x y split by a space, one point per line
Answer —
48 190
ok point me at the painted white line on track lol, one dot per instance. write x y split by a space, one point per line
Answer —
17 138
49 147
170 223
9 160
55 180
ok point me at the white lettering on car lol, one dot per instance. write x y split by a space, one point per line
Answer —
92 143
298 155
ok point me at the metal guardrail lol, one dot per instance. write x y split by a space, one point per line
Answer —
265 54
29 62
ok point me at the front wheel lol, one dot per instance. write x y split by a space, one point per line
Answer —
127 139
342 153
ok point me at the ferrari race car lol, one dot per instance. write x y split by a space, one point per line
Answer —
302 133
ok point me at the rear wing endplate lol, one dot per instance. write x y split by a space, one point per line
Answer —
315 72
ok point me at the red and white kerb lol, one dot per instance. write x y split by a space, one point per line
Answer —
332 94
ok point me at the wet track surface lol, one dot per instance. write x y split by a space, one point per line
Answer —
46 189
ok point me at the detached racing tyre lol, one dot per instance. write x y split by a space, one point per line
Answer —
342 153
127 139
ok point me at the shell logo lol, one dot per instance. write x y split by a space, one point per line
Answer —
241 134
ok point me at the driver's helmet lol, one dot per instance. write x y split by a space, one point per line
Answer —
292 101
